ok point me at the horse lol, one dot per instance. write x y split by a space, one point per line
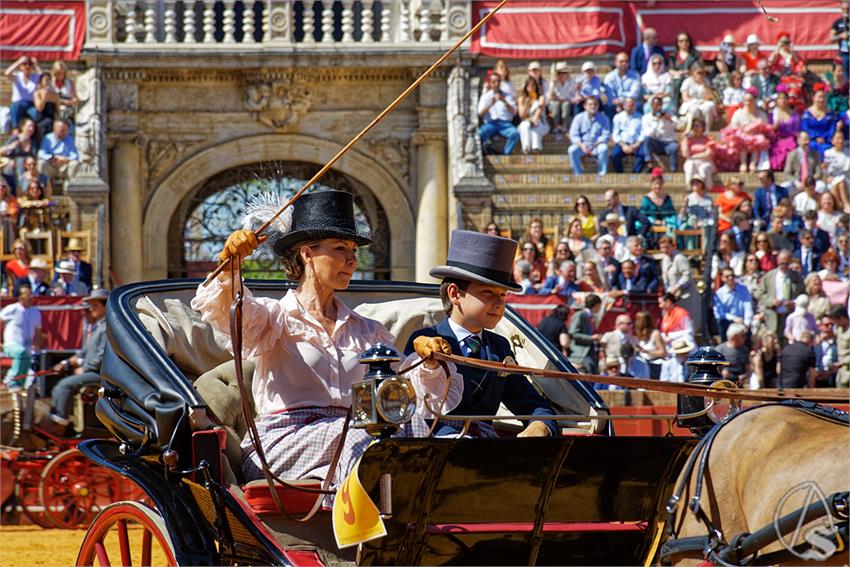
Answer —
761 465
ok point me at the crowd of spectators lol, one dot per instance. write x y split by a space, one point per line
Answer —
743 110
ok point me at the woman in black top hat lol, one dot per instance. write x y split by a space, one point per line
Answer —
306 345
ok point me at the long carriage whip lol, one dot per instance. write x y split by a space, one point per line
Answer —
413 86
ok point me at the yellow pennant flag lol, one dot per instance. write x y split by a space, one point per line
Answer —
355 517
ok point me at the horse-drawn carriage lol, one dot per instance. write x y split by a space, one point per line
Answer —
170 398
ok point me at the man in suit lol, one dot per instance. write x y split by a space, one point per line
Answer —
807 254
628 281
583 353
645 267
476 277
777 291
766 198
820 238
639 57
629 215
608 266
802 164
562 283
36 279
741 231
82 269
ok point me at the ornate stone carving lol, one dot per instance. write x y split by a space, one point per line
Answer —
162 153
122 97
90 171
279 104
458 20
394 153
466 158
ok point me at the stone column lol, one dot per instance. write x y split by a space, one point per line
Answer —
127 209
432 213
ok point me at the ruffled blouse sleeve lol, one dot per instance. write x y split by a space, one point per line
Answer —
263 319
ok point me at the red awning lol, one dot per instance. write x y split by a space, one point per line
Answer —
46 30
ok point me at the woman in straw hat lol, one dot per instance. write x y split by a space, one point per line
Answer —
306 345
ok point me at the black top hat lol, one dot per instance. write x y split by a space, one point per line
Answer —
480 257
324 214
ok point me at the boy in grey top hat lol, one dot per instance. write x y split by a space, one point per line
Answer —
476 277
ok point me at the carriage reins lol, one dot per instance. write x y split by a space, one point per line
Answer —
714 546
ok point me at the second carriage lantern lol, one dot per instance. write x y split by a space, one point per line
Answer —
383 400
706 366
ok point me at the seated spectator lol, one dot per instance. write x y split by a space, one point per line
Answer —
819 122
767 196
807 199
659 134
82 369
589 86
650 345
751 58
532 112
732 303
676 321
562 91
764 252
537 265
575 238
31 173
827 216
677 279
563 283
842 250
590 280
764 360
826 353
553 327
8 210
681 62
18 149
836 98
64 87
522 276
628 280
57 152
68 284
733 349
819 303
535 73
657 81
501 68
607 265
733 95
787 222
698 207
698 97
797 363
640 58
836 171
492 229
765 83
562 254
741 230
673 369
725 61
82 269
46 104
809 257
747 132
18 267
728 201
628 215
727 256
497 109
584 214
799 320
783 60
698 151
589 134
621 83
627 137
752 273
535 235
646 271
36 278
24 83
656 207
786 123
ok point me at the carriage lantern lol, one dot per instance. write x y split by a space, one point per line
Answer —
706 369
383 400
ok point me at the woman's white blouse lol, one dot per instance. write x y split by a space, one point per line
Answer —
299 365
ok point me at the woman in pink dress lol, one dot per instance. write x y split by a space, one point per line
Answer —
786 122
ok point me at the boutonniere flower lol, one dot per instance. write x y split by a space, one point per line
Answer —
509 360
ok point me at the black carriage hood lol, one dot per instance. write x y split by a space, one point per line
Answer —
146 398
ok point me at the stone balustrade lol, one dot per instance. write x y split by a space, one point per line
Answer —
303 25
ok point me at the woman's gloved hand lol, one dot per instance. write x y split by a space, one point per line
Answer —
426 346
240 243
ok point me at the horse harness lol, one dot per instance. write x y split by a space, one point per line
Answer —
743 548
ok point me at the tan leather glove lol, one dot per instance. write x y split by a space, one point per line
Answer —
535 429
240 243
425 346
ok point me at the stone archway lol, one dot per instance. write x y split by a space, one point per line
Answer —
211 161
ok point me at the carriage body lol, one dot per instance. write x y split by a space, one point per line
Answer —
587 497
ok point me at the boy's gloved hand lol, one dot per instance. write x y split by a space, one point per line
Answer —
425 346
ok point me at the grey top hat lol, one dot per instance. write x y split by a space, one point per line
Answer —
480 257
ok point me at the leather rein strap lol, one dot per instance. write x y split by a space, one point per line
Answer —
684 388
248 413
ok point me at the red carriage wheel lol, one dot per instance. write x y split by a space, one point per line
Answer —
127 532
28 492
74 489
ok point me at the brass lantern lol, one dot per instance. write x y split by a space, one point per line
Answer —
383 400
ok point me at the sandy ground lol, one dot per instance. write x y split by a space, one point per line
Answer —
31 546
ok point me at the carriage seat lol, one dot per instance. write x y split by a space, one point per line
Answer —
295 502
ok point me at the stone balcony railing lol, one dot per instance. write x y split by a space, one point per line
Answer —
288 25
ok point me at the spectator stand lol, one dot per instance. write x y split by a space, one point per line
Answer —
535 307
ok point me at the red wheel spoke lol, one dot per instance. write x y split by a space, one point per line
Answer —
102 556
146 547
124 543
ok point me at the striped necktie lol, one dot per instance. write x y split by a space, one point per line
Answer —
472 345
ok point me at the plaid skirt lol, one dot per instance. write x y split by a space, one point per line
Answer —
300 443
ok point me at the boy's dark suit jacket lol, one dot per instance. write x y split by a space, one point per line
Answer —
484 390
